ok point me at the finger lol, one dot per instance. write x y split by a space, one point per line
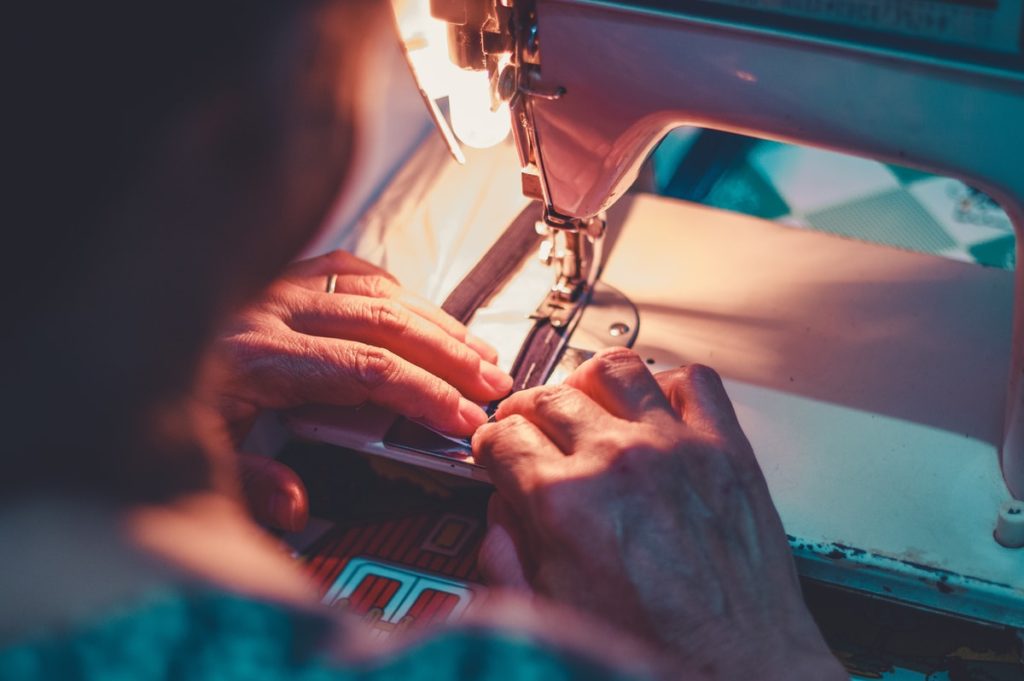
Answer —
334 262
618 380
501 553
697 394
300 369
376 286
516 454
386 324
563 413
274 493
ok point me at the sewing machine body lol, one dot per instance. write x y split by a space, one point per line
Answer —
860 99
871 382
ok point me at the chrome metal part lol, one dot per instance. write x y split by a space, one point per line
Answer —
550 95
573 248
606 308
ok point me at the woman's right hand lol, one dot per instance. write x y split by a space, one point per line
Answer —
638 498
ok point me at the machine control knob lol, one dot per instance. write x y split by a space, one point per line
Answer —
1010 524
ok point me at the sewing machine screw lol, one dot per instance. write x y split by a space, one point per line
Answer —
618 329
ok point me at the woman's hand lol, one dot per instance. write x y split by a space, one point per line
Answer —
368 341
639 499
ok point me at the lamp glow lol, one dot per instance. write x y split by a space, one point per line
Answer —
470 117
473 120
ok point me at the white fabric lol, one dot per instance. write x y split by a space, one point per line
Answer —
435 221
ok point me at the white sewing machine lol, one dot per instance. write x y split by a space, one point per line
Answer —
881 389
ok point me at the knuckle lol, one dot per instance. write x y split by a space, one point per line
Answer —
510 432
718 461
512 422
441 397
453 326
671 376
280 288
606 442
373 367
283 300
492 439
331 262
465 358
634 456
609 361
248 352
516 403
675 391
338 257
554 398
700 374
387 315
375 286
483 437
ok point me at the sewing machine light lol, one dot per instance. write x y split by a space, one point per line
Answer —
468 92
469 99
426 47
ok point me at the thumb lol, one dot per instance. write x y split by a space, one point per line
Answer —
273 492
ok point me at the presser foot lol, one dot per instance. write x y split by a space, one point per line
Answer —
573 248
607 319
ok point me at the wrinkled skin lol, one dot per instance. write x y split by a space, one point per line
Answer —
369 341
638 498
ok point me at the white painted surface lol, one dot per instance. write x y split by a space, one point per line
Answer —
656 71
869 380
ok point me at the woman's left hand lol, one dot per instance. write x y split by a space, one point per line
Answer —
370 340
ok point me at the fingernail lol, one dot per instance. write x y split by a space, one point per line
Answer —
472 415
483 348
286 511
495 378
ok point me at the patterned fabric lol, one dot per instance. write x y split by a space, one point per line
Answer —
845 195
213 635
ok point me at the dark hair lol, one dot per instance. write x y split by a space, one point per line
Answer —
96 92
93 86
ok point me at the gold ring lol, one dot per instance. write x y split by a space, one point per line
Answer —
332 283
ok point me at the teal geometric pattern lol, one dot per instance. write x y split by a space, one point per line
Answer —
860 199
218 636
892 218
745 190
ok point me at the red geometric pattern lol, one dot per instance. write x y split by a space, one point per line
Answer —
398 541
432 606
373 592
